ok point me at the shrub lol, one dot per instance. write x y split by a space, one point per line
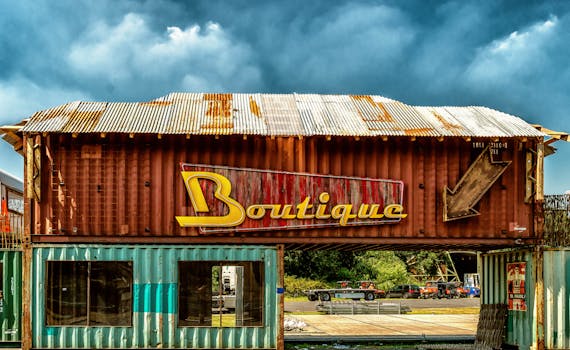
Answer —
295 286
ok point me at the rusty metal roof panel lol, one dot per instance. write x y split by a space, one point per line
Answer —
278 115
328 115
407 121
344 116
444 123
187 110
248 115
117 116
84 118
51 120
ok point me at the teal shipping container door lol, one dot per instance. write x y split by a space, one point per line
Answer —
520 328
11 298
150 305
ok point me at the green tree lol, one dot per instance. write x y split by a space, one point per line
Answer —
384 267
323 265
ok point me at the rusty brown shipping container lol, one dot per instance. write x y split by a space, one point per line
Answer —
120 189
110 172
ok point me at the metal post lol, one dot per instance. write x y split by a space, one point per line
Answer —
281 296
539 252
539 298
27 248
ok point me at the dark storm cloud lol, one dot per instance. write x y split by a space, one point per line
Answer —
508 55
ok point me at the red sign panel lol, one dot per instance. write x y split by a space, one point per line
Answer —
516 289
237 199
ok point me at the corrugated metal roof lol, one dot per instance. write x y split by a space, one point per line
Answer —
11 181
278 115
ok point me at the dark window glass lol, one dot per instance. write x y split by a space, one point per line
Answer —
221 294
66 293
111 296
89 293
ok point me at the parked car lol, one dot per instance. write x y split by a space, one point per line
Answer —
449 290
404 291
429 290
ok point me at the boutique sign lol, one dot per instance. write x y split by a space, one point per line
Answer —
238 199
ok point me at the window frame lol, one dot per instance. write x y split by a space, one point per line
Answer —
88 294
221 264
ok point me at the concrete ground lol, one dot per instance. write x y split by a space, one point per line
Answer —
384 327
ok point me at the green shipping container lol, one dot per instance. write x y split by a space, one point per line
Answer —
520 330
152 296
10 297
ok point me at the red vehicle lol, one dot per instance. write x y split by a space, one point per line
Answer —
429 290
370 285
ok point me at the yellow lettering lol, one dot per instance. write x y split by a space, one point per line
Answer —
342 212
302 209
374 212
320 214
394 211
363 212
236 214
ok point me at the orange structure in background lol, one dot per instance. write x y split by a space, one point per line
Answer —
4 217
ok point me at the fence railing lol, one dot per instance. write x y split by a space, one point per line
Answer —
557 220
11 231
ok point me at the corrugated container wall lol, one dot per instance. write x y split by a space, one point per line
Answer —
117 187
155 286
494 291
557 298
11 301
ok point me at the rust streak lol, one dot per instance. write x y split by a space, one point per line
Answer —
219 111
454 128
417 132
219 105
84 120
382 113
156 103
254 107
386 117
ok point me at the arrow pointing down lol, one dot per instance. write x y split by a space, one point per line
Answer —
481 175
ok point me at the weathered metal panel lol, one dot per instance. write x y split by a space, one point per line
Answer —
303 200
557 298
521 330
282 115
155 298
133 187
278 115
249 116
11 301
339 113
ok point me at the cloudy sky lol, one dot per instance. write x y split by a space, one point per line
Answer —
513 56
